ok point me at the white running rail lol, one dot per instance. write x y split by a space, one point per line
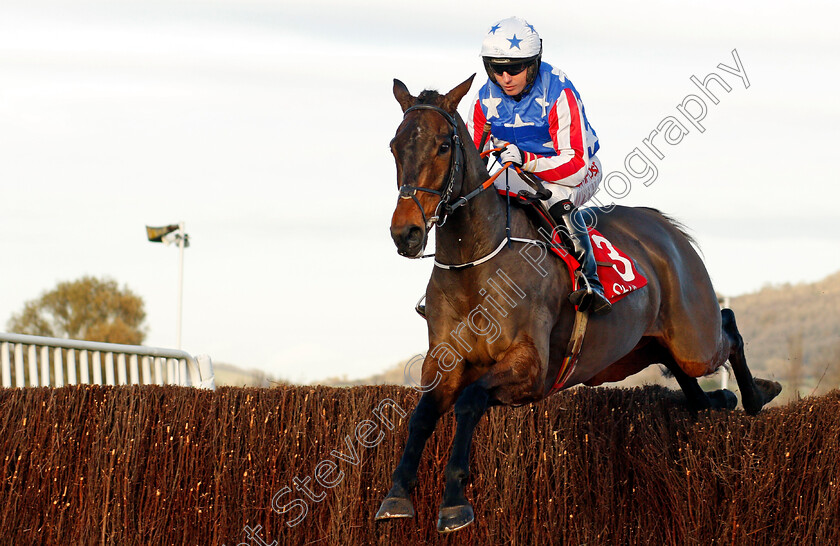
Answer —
120 364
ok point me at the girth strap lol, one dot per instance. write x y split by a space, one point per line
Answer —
572 352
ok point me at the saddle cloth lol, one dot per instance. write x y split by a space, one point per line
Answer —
616 270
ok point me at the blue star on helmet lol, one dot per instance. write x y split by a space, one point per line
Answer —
532 28
494 28
514 42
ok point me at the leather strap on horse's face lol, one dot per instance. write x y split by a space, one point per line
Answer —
455 167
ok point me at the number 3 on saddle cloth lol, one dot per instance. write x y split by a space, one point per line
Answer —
616 270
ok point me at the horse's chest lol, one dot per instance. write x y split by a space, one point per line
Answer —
481 316
481 333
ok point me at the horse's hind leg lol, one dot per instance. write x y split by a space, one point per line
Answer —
697 398
755 393
649 351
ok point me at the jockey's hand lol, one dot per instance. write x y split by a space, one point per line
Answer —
511 154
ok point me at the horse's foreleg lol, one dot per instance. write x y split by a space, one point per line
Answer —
518 376
755 393
397 503
455 511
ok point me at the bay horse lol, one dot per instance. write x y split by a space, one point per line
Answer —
506 347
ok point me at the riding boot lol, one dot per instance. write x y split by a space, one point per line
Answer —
565 214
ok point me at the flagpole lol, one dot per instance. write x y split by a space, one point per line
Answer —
167 235
180 281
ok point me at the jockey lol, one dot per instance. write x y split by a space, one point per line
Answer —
537 116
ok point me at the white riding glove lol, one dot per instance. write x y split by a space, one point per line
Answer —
511 154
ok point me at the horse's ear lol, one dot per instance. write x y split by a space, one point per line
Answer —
403 96
451 100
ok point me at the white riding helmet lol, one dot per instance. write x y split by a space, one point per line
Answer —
515 42
511 38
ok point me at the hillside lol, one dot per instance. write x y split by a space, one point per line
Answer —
229 375
392 376
792 335
793 330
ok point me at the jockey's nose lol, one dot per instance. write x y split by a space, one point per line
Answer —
409 239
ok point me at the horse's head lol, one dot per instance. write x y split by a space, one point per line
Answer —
429 157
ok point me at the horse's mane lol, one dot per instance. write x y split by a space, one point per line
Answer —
429 96
679 226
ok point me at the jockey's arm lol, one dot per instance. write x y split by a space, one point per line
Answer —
567 131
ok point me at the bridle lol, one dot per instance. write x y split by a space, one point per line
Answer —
456 163
444 208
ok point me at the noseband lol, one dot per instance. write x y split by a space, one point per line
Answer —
443 208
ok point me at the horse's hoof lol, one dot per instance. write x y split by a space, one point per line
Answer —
723 399
766 391
452 518
395 507
770 389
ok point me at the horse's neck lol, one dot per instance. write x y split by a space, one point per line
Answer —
477 228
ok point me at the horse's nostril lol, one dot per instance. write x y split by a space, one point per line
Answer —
409 239
414 236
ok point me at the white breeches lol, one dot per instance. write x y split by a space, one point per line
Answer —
589 181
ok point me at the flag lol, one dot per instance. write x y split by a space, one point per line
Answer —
155 234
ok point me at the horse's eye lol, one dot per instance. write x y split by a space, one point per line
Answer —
443 148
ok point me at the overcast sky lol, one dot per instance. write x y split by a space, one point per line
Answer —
264 127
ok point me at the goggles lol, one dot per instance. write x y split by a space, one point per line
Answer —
511 68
